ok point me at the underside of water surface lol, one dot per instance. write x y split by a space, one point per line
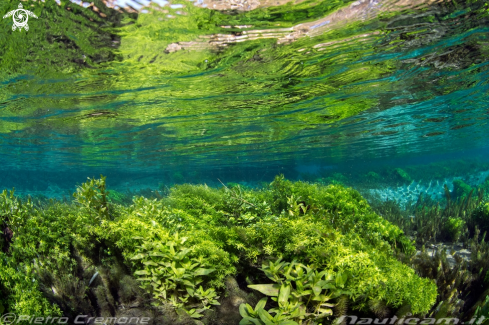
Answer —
228 162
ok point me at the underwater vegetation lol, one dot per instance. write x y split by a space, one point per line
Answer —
429 221
483 310
290 252
452 248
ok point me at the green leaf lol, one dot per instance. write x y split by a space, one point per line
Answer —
139 256
157 254
266 289
202 271
196 315
190 291
243 310
182 253
265 317
288 322
141 272
324 312
284 294
261 304
249 321
341 279
188 283
317 290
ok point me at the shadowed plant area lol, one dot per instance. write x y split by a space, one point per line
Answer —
311 248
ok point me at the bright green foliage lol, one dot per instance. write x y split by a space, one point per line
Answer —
92 196
20 294
302 293
326 230
260 316
174 277
24 297
331 227
454 228
344 207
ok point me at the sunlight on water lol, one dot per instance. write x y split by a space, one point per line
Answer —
115 88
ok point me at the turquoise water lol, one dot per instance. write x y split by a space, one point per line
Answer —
382 85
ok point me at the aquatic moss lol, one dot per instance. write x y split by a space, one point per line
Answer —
400 175
454 228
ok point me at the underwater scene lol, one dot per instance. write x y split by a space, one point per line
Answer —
244 162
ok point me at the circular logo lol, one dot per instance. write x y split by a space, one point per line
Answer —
8 318
20 18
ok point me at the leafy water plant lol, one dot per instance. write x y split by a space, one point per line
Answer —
172 276
92 196
302 294
70 248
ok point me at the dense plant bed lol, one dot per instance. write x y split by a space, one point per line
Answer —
289 253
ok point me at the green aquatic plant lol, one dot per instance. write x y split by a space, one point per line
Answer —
454 228
302 294
479 259
373 177
116 197
485 186
480 217
335 179
459 283
260 316
399 175
320 228
460 189
429 222
92 196
482 311
295 208
453 281
172 276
